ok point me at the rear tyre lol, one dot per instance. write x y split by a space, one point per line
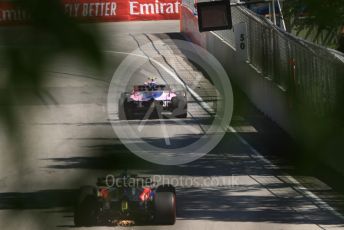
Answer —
85 191
128 110
179 104
124 108
121 110
166 188
86 209
165 208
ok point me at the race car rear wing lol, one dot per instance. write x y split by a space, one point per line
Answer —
147 88
131 181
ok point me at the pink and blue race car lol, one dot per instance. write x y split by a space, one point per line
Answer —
152 100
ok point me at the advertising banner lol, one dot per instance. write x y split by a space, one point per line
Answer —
101 10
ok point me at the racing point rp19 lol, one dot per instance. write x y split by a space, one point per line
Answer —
152 100
125 200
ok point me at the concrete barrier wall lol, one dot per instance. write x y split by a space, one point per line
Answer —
264 93
320 138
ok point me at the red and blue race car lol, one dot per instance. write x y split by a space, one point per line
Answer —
125 200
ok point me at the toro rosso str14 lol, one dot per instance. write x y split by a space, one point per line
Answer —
152 100
125 200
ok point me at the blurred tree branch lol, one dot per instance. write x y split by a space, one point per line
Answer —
325 15
28 49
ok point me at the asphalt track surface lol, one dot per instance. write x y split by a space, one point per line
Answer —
69 141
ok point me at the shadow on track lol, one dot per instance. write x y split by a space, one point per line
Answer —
44 199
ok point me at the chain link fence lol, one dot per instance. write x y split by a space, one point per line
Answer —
312 75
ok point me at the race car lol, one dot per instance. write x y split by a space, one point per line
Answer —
152 100
125 200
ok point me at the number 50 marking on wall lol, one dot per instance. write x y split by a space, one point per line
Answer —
240 32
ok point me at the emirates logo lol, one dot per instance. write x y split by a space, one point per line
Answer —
137 8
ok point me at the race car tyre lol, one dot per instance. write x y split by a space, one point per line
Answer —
179 105
121 109
165 208
85 191
86 208
128 110
166 188
124 109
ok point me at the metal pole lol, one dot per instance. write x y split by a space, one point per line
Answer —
282 17
274 12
